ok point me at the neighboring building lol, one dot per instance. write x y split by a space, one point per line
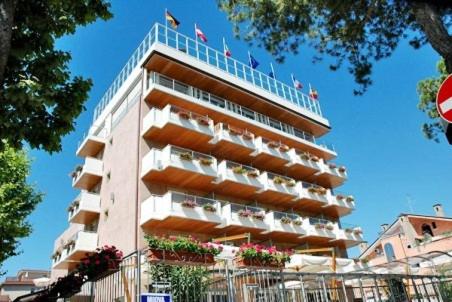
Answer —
182 122
26 281
418 243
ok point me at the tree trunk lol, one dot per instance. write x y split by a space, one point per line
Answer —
7 8
429 17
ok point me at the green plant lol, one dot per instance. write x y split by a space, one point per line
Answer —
206 161
188 203
209 208
285 220
297 222
278 180
105 258
238 170
182 244
186 156
258 215
253 173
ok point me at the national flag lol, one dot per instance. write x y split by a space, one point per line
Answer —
253 62
313 94
171 19
271 74
297 84
200 34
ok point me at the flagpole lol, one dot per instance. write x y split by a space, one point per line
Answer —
273 71
166 26
224 46
196 38
249 59
293 80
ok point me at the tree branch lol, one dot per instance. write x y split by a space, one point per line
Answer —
429 17
7 8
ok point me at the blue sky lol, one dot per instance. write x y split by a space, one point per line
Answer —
377 135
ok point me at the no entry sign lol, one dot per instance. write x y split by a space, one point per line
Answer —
444 99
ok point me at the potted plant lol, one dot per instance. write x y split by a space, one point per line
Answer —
329 226
104 261
184 114
332 165
350 198
348 230
285 220
321 190
247 135
290 183
189 203
273 144
69 285
209 208
181 250
357 231
283 148
258 215
258 256
314 158
206 161
278 180
253 173
342 169
186 156
305 156
235 131
245 213
203 120
319 226
297 222
312 189
238 170
340 197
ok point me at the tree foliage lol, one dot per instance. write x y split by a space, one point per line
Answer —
358 33
427 90
17 200
39 96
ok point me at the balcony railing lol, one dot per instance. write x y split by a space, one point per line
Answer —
166 36
235 108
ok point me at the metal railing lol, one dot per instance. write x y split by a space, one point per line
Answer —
191 47
235 108
198 201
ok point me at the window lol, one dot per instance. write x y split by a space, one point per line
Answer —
434 225
389 251
426 230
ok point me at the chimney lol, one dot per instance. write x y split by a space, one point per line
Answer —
384 227
439 211
363 246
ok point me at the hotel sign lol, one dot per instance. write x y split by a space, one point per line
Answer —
444 99
154 297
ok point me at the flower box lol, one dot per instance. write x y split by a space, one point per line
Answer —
314 158
235 131
357 231
312 189
238 170
329 227
206 161
258 215
184 114
101 263
179 257
202 120
278 180
273 144
321 190
340 197
186 156
189 204
285 220
290 183
350 198
253 173
283 148
305 156
209 208
297 222
342 169
240 262
247 136
332 165
245 213
320 226
348 230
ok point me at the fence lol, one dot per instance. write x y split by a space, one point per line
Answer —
225 283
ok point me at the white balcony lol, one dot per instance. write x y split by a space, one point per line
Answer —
349 235
173 125
312 197
87 176
240 218
272 155
233 142
302 164
330 174
282 223
85 208
92 144
278 188
179 166
178 211
237 180
320 230
339 205
74 249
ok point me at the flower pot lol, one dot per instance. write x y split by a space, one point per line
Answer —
257 264
312 190
186 156
253 173
342 169
314 158
286 220
350 198
290 183
184 114
247 136
202 120
258 216
209 208
283 148
340 197
273 144
179 258
304 156
297 222
238 170
189 204
235 131
206 161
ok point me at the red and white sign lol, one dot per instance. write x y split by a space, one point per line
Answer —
444 99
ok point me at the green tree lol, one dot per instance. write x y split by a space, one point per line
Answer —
427 90
39 96
357 32
17 200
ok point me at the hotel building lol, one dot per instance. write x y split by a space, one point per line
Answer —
189 141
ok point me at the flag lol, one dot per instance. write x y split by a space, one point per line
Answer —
271 74
313 94
200 34
297 84
170 18
253 62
